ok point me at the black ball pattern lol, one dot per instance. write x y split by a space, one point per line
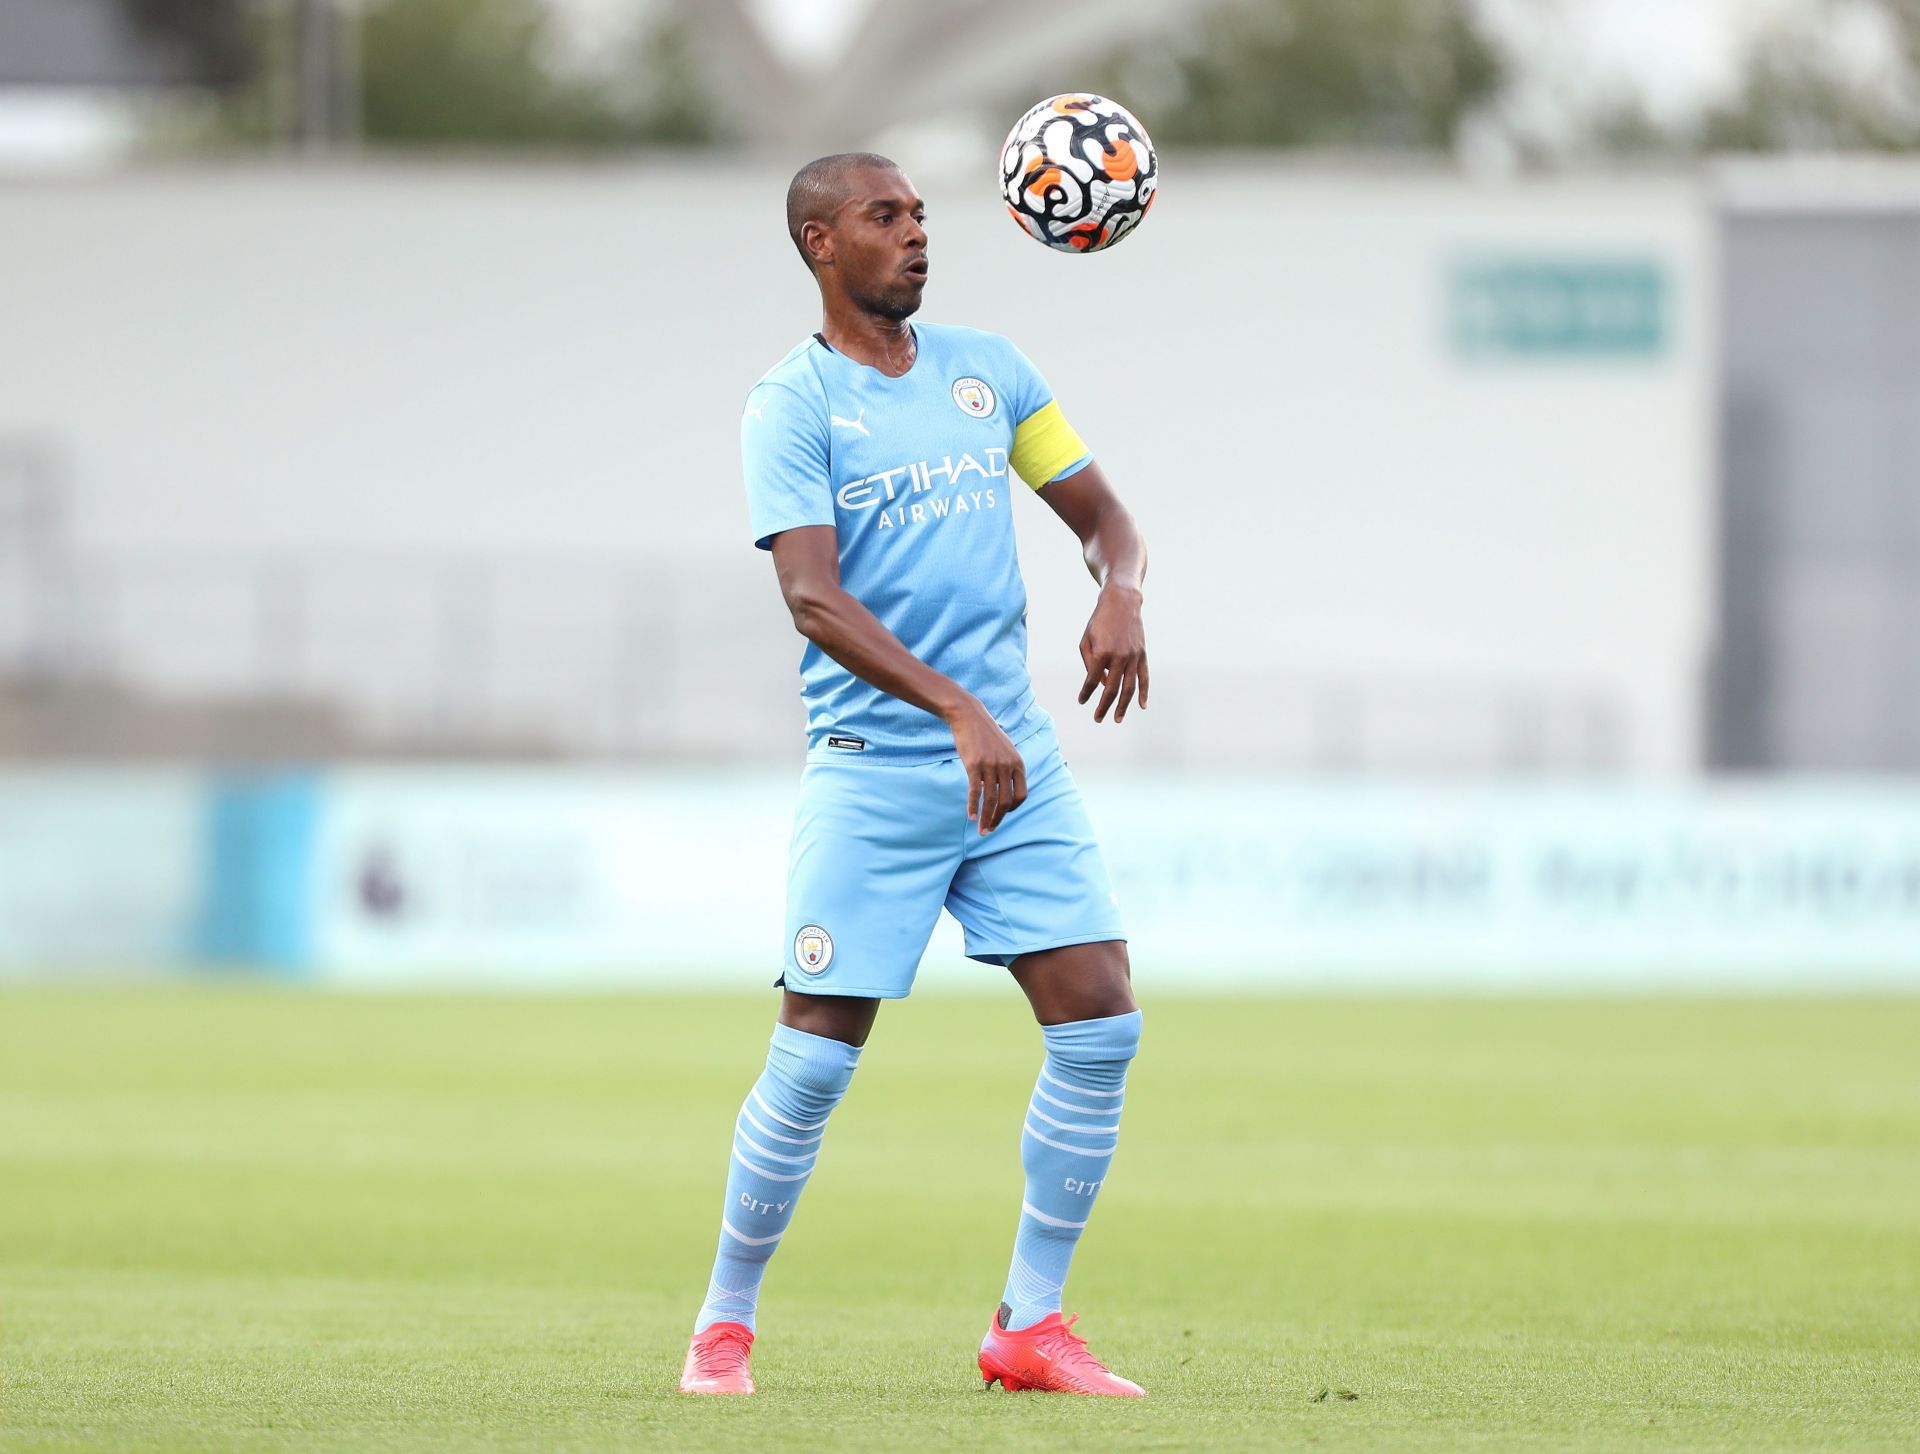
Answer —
1078 172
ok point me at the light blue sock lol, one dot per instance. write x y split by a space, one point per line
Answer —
775 1141
1073 1125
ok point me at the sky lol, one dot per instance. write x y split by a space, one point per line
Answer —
1675 49
1674 52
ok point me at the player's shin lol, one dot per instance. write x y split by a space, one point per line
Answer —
1066 1146
775 1142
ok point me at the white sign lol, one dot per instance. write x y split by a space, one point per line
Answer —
570 878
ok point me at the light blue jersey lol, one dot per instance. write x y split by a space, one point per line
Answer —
917 474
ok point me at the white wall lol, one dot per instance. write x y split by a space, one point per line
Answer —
497 360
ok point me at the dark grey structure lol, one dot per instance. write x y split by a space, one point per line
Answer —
1819 660
120 42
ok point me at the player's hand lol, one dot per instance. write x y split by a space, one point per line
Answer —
1114 649
996 774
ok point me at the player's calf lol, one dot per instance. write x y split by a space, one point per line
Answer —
776 1140
1067 1142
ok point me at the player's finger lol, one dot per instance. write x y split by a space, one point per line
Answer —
1094 672
1106 697
1012 788
1143 681
973 798
1004 804
1129 680
991 799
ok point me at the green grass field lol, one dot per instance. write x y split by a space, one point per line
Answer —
257 1219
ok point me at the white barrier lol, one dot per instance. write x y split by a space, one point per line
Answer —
575 878
100 870
551 878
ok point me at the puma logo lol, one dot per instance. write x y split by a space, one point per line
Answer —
852 423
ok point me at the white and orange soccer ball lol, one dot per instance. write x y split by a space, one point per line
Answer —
1078 172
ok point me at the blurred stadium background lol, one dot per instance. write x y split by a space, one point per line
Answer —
1519 398
1522 402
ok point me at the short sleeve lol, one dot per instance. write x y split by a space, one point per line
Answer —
783 457
1028 392
1045 446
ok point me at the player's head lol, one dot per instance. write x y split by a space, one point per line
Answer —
861 228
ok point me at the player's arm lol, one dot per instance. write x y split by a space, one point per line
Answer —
1114 645
807 561
1052 457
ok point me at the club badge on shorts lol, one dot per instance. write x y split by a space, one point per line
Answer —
813 949
974 396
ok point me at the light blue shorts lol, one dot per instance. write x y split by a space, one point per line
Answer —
878 851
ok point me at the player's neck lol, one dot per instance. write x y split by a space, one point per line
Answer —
886 344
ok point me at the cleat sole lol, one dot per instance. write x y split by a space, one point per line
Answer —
993 1374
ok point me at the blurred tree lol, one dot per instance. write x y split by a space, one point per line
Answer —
458 73
661 91
1797 95
467 71
1799 90
1372 74
481 72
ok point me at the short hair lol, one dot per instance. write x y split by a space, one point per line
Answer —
819 189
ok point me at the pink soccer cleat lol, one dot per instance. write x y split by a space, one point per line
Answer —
1048 1357
717 1360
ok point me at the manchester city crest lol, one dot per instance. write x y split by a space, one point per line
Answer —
813 949
974 396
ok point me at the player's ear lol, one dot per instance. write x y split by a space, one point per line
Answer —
817 238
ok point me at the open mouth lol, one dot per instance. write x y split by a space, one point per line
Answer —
917 269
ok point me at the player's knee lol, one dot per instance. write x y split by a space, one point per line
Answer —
1106 1040
826 1075
816 1067
1125 1034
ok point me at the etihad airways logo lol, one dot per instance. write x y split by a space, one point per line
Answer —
893 490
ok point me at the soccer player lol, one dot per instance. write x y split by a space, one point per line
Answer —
881 461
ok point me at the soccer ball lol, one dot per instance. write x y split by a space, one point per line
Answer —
1078 172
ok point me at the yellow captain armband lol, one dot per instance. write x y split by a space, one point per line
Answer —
1045 444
